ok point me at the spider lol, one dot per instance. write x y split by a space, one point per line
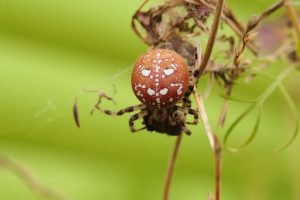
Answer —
162 82
163 78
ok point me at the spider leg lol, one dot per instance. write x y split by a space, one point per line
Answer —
110 112
119 112
192 112
135 117
194 76
186 130
103 95
195 114
75 106
186 102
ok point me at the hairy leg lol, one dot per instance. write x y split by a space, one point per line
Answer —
135 117
110 112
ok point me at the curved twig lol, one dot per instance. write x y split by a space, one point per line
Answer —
171 167
30 181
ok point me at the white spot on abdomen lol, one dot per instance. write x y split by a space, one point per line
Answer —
174 66
158 100
179 85
138 93
139 86
150 91
179 90
168 71
157 68
146 72
163 91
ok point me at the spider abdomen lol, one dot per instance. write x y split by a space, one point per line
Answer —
160 78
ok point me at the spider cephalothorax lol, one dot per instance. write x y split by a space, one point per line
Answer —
161 81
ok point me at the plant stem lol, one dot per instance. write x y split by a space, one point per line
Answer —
171 167
29 180
275 84
204 119
292 14
218 167
214 143
212 36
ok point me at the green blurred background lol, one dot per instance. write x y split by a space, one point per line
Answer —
51 49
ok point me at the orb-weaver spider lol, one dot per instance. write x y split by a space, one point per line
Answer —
161 81
173 53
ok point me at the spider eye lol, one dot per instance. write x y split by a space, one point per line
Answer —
160 78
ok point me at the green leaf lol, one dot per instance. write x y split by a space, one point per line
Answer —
237 99
236 122
296 117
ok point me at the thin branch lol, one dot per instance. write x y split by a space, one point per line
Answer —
237 27
171 167
231 20
252 24
293 16
29 180
214 143
204 119
223 113
218 167
212 37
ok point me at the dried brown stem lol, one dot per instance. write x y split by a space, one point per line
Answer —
292 14
214 142
250 45
252 24
232 21
171 167
237 27
223 113
204 118
212 37
29 180
218 167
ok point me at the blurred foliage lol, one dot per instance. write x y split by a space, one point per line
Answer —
50 50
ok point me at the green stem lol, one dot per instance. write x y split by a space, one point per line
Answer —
274 85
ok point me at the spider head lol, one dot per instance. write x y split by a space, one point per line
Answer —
160 78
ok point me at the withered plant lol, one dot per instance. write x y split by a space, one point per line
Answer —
178 25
